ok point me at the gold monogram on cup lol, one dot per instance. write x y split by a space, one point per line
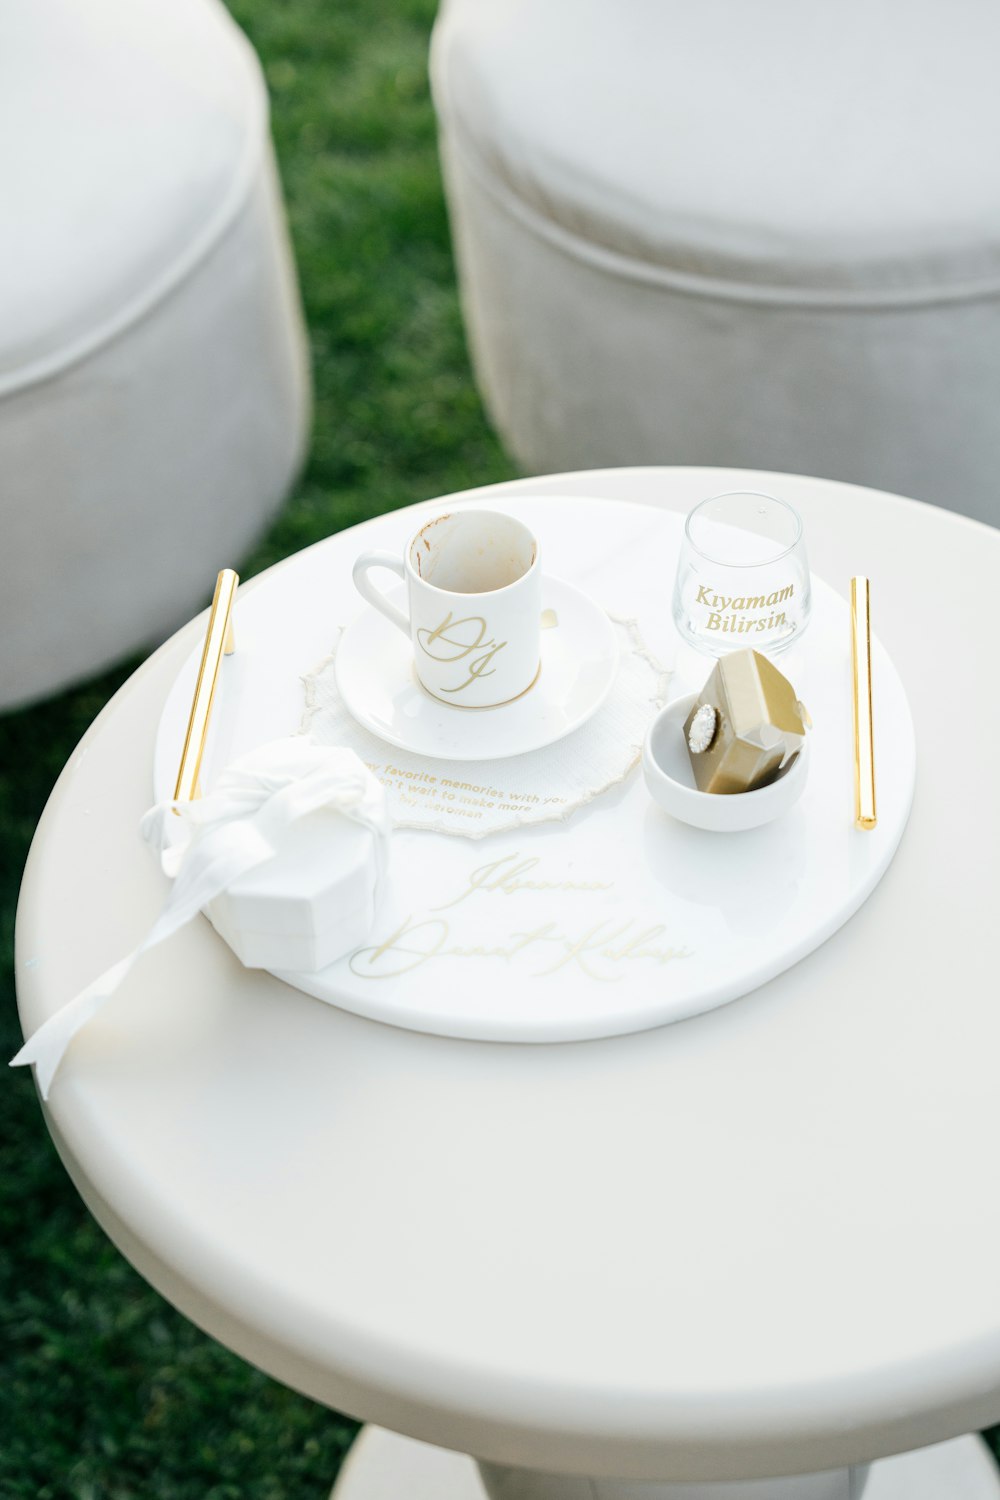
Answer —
449 642
473 591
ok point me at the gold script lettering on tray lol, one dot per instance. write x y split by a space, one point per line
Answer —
598 951
461 640
509 875
601 950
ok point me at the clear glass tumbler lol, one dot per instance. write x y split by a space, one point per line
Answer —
742 576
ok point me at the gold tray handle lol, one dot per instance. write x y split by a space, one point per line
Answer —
864 737
220 640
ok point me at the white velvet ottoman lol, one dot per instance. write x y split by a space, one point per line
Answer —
153 381
721 233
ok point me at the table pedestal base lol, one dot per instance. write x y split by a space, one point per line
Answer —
384 1466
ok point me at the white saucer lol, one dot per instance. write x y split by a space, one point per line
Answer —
375 677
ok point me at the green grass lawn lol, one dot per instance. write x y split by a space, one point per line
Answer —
106 1393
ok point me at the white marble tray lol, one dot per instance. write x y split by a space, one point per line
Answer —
619 919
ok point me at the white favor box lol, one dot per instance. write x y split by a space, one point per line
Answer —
310 904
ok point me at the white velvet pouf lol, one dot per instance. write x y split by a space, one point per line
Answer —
723 234
154 390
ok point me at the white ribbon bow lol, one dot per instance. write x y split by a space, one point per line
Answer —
214 841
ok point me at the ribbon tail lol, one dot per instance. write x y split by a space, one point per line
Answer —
227 853
224 848
46 1047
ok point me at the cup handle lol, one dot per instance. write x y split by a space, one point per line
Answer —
375 596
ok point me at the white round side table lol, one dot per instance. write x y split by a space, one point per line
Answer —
739 1258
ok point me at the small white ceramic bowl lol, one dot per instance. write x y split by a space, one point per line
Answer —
666 766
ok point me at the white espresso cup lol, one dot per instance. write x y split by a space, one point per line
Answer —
474 592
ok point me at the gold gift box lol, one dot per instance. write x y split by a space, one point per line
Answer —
760 725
